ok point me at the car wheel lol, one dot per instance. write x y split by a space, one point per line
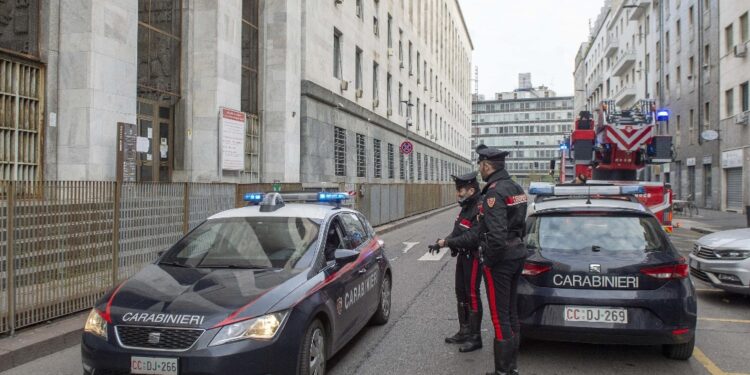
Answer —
312 358
384 307
679 351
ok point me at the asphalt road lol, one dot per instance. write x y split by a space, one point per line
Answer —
424 312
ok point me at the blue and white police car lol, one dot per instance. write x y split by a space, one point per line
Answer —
602 270
272 288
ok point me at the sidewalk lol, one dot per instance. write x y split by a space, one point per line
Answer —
710 221
47 338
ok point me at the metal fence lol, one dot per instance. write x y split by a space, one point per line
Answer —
63 244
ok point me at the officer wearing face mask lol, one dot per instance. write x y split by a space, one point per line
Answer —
468 268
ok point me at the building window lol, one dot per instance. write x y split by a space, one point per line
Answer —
691 126
401 48
419 167
707 191
745 97
729 37
375 86
390 31
744 31
337 54
707 115
411 166
729 99
411 71
19 27
401 167
400 98
391 172
389 99
361 156
339 151
377 158
358 74
250 56
375 26
359 10
418 69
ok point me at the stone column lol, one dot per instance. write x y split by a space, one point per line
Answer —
214 79
98 46
281 74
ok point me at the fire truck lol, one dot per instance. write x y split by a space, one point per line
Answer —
612 145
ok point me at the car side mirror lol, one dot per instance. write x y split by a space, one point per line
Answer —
344 256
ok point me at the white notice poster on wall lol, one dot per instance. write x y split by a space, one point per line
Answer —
232 145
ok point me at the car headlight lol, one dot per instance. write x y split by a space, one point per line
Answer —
261 328
95 324
733 254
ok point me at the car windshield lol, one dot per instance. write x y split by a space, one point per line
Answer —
247 242
604 233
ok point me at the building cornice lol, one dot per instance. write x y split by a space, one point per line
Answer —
463 21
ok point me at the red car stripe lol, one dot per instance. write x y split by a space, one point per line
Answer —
493 306
106 314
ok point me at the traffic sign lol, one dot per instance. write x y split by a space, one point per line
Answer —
406 147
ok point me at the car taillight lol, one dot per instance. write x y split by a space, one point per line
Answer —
534 269
676 271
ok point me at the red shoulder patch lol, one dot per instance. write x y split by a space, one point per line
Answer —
516 200
466 223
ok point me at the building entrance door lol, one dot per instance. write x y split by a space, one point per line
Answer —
156 124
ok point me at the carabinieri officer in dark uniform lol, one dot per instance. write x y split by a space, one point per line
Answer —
500 231
468 268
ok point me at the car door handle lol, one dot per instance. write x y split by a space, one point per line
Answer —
379 258
362 271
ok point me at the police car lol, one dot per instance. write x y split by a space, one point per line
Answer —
602 270
272 288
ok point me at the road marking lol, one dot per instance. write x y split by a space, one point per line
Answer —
709 290
707 362
392 259
725 320
409 245
434 257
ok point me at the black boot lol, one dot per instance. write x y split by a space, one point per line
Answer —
503 356
474 339
514 361
463 321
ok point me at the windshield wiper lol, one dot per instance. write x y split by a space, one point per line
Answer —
234 266
174 264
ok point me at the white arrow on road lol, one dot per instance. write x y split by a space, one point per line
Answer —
434 257
409 245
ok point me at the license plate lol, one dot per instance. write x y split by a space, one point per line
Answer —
153 366
596 314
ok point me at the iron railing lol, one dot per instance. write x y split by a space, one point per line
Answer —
64 243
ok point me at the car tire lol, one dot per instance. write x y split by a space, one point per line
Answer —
679 351
312 355
383 313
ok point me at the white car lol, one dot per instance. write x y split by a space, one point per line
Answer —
722 259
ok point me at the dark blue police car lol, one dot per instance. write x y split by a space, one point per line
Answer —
274 288
602 270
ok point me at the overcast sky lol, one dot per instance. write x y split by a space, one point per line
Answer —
540 37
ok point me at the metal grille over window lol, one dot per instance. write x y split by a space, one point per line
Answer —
401 167
361 156
21 120
378 161
419 167
391 172
168 338
339 151
411 166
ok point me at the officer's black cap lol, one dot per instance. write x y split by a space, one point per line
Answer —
491 153
465 179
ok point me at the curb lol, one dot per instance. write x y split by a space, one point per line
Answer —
703 230
44 339
41 340
389 227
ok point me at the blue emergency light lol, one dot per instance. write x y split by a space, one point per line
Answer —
253 197
632 189
325 197
541 190
662 115
550 190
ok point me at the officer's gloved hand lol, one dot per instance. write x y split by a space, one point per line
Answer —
454 252
434 248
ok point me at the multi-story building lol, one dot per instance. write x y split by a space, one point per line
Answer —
668 51
530 123
326 88
734 80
